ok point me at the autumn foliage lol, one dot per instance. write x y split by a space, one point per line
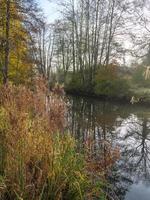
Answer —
38 160
28 120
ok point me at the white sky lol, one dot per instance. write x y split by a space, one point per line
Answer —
50 9
51 12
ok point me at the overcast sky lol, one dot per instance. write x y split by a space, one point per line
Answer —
50 9
51 13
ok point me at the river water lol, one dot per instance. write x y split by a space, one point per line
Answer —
124 126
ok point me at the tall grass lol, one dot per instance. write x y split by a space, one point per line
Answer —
37 160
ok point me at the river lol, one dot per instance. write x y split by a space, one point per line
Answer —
124 126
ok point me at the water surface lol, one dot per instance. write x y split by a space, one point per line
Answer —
124 126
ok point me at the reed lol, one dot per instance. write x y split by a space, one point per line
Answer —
38 161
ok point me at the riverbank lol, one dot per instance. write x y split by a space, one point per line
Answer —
139 96
110 84
35 149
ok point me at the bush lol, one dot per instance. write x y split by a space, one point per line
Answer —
37 162
112 88
138 77
77 84
108 83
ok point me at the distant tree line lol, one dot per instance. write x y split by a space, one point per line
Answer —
89 35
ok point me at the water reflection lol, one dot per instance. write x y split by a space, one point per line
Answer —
121 125
138 191
134 139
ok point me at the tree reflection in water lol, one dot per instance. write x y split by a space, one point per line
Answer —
118 125
134 141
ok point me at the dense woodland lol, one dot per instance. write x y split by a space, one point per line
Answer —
96 48
93 46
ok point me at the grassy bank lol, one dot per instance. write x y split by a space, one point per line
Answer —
109 83
123 99
142 96
38 161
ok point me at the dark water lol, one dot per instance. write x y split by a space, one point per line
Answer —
124 126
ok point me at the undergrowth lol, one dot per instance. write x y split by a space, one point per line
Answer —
38 161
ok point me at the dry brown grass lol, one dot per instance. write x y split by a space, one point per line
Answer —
37 160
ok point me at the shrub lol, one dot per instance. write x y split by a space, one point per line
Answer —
108 83
38 161
112 88
138 77
76 83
